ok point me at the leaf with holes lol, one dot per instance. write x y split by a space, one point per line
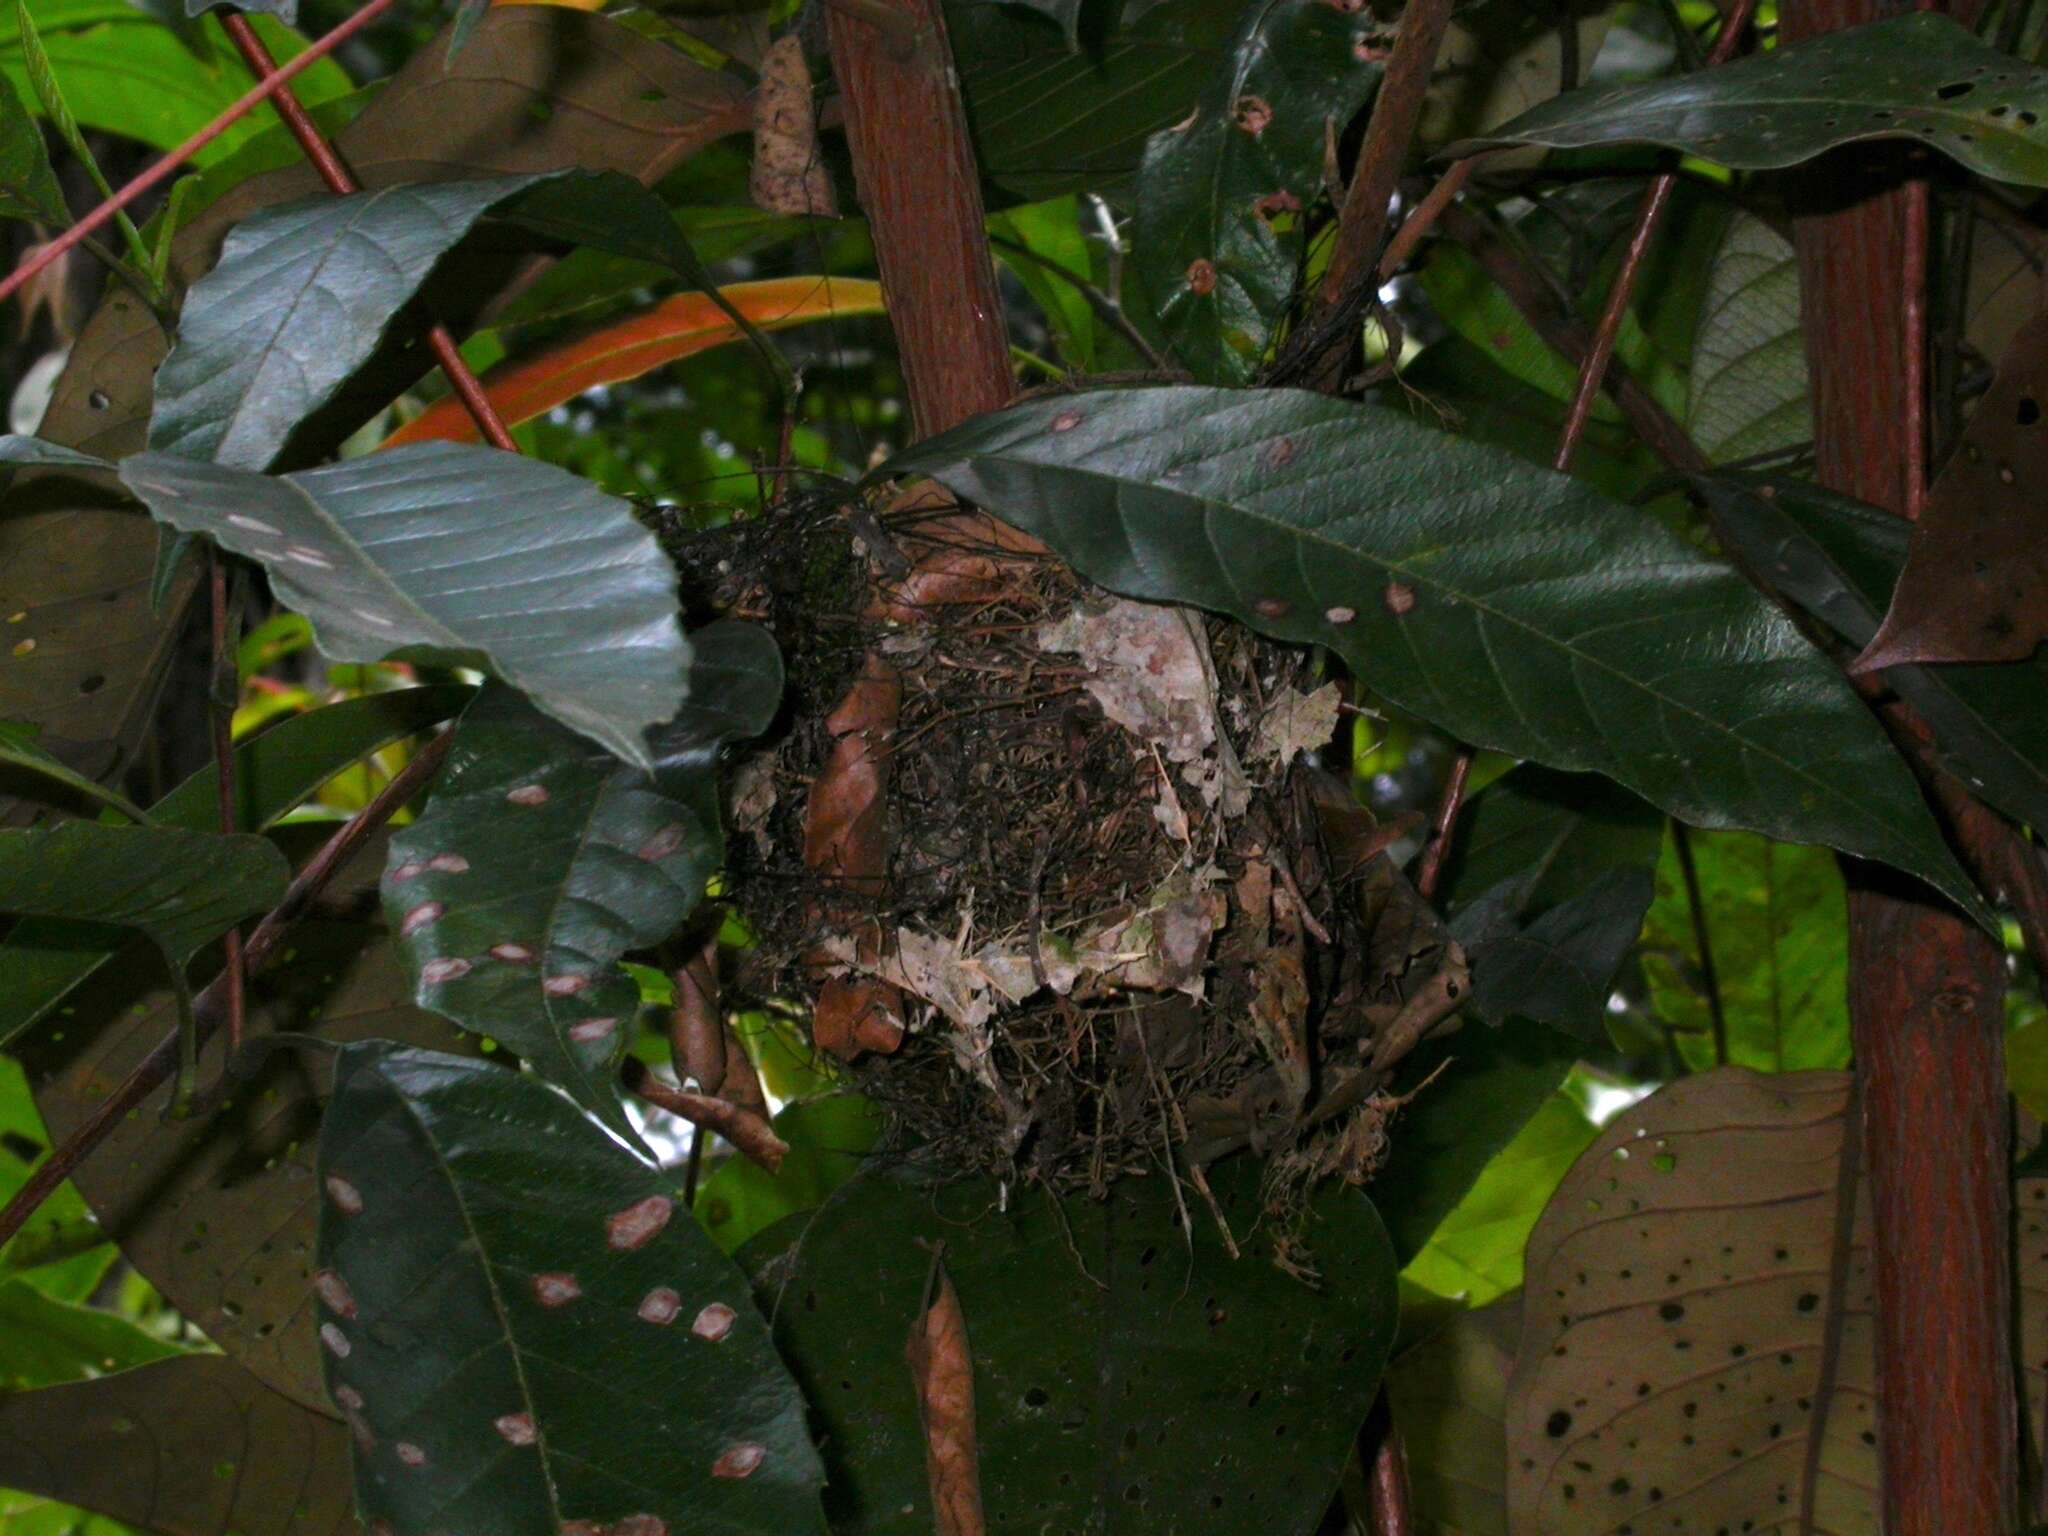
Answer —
190 1446
541 861
524 1334
1748 392
28 186
42 959
217 1211
1691 1304
1048 119
1129 1375
1777 928
458 555
1921 77
1547 886
1219 229
1514 607
179 889
1840 560
525 387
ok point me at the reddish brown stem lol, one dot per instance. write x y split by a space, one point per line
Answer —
269 84
1423 219
321 155
1362 223
210 1007
1444 825
746 1129
221 707
1392 1510
1593 370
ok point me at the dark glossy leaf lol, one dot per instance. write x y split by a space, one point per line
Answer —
20 452
460 555
1513 607
179 889
1212 189
1777 924
43 959
1921 77
1680 1304
217 1211
1129 1376
18 750
541 87
28 186
1064 14
1548 883
298 302
1048 120
523 1332
1485 1084
541 861
193 1446
1840 560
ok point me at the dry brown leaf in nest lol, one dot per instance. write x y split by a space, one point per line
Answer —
1296 722
846 817
746 1129
854 1014
789 175
942 1370
1975 586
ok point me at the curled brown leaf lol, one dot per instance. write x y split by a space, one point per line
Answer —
942 1369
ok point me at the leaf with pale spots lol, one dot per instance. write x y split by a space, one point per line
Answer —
462 556
1130 1376
1516 608
500 1356
541 861
1220 227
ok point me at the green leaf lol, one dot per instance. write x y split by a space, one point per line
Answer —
541 861
1778 929
28 186
191 1446
1483 1086
180 889
1129 1375
1048 120
523 1335
1211 191
1921 77
828 1140
21 452
50 1246
286 11
1748 393
300 300
1515 608
1547 884
1449 1397
44 1342
1840 559
1051 230
458 555
41 960
1064 14
18 749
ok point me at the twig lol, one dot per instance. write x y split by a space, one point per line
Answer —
1391 1510
209 1007
229 116
1109 309
1681 838
1362 223
1593 369
749 1132
1423 219
1445 824
221 706
321 154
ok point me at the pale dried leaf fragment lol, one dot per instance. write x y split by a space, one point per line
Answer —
1295 723
942 1371
789 175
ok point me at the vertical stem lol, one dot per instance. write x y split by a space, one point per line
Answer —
1444 825
224 687
1681 839
1925 986
1390 1510
313 144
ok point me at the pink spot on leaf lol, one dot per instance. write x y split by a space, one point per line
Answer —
336 1341
516 1428
419 917
586 1030
1201 276
410 1454
349 1398
512 954
1253 114
334 1290
740 1460
565 986
641 1525
528 794
637 1225
448 968
1066 421
1340 615
404 872
660 1306
714 1322
556 1289
1399 598
665 844
346 1197
449 864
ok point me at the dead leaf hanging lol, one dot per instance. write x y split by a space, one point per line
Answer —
943 1370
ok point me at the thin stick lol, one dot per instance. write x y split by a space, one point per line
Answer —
321 155
748 1131
1681 838
243 105
1593 370
222 708
208 1008
1446 823
1918 217
1419 223
1362 222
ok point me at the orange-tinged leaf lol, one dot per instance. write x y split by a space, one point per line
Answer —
572 5
523 388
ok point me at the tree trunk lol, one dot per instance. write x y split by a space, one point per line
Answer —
1926 985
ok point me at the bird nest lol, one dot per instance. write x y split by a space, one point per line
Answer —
1115 916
